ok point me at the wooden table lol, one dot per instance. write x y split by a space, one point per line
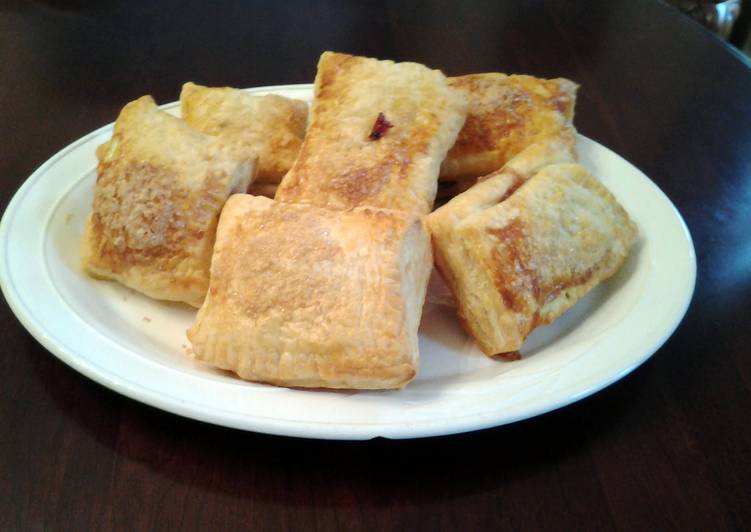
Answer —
669 446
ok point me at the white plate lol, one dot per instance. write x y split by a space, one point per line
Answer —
136 346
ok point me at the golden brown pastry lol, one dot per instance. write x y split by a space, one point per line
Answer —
270 127
522 255
312 297
377 135
160 187
506 114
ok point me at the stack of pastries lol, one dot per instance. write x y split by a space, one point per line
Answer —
323 285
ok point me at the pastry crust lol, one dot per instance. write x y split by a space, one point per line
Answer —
340 166
270 127
523 260
506 114
160 187
311 297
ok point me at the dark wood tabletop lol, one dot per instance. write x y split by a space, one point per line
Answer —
667 447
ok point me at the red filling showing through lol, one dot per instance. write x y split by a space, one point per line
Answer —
380 127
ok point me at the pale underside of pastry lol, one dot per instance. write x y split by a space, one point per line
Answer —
506 114
522 260
351 158
270 127
304 296
160 187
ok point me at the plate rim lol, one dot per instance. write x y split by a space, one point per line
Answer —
270 425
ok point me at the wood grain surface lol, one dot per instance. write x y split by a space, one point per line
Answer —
668 447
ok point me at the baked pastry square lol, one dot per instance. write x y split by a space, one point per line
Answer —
524 260
160 187
270 127
377 135
311 297
506 114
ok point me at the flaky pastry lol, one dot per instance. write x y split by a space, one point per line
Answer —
270 127
377 135
506 114
524 252
160 187
312 297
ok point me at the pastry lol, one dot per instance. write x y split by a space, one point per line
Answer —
270 127
305 296
377 135
506 114
522 255
160 187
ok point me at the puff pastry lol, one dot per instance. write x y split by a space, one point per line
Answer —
270 127
311 297
377 135
160 187
523 255
506 114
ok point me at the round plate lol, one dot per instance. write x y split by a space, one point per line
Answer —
137 346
